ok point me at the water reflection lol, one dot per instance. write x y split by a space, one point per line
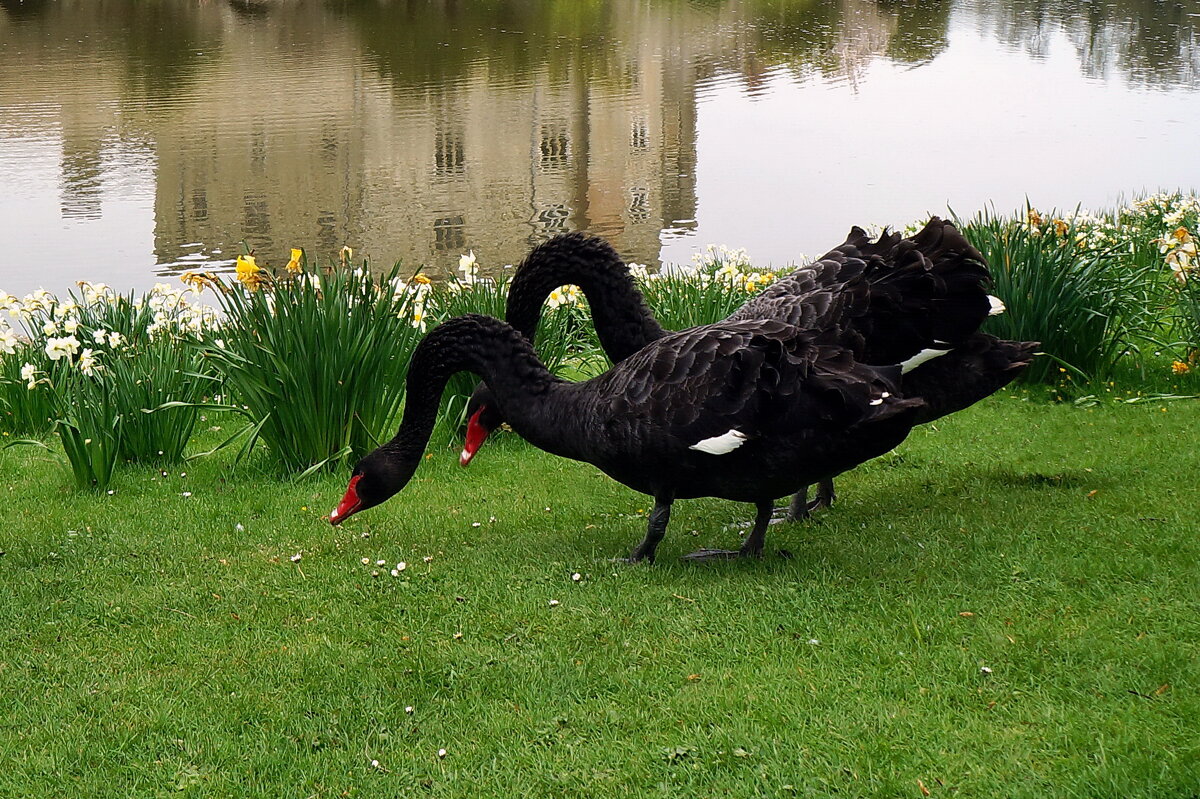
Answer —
1146 42
140 136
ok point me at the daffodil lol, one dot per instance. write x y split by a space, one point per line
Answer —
88 363
29 374
422 278
95 293
469 268
293 265
249 273
1180 368
565 295
64 347
8 340
346 254
50 327
198 281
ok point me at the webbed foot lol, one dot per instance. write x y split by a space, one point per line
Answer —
706 555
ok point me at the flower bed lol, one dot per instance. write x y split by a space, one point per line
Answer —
315 358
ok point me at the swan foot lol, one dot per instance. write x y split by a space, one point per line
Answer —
800 508
752 547
706 555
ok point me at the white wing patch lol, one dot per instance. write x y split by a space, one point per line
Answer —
719 445
997 306
920 358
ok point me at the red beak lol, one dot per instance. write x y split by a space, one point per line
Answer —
476 435
349 505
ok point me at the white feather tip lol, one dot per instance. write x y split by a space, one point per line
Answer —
719 445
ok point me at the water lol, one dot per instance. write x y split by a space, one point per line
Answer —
138 140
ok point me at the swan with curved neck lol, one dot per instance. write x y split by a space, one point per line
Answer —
747 411
895 327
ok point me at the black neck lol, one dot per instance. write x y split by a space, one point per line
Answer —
472 343
623 321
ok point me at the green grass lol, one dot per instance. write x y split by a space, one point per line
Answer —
149 646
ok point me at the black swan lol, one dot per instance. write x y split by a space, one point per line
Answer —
977 367
748 410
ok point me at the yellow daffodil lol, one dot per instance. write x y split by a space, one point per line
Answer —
249 273
1180 368
293 265
421 277
197 281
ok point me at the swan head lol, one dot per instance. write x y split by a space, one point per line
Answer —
375 478
483 416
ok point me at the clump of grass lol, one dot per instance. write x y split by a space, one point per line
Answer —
117 376
1068 283
316 358
1163 230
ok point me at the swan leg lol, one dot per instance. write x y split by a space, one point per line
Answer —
798 508
656 528
825 495
752 547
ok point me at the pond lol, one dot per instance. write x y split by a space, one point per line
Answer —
138 139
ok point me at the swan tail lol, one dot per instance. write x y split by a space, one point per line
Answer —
929 291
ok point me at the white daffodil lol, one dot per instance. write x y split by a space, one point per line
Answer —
467 265
64 347
115 339
8 340
71 326
88 363
29 373
95 293
50 327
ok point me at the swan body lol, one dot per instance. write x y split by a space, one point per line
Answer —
788 390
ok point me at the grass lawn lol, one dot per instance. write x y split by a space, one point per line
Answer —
1007 606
